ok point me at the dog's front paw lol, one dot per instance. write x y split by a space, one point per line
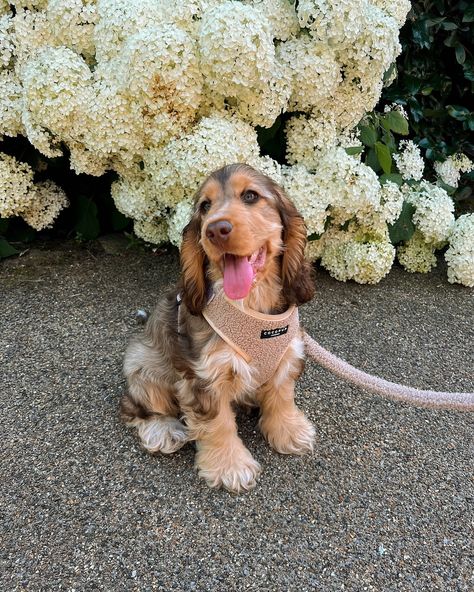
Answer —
233 468
289 434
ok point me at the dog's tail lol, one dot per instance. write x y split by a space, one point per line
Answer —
390 390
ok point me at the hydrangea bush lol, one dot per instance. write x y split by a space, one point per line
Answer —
164 92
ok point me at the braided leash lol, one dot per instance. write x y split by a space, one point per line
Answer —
389 390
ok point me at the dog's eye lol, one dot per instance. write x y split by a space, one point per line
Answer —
250 197
205 206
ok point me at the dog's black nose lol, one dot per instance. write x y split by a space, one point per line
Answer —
218 231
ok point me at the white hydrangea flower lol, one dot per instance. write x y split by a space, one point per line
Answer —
29 4
434 214
56 83
236 33
409 161
357 254
357 94
391 202
7 46
178 220
350 186
314 249
134 196
269 167
16 186
178 169
48 200
398 9
303 188
336 22
119 19
460 254
31 32
314 70
155 232
280 14
11 93
306 137
416 255
450 170
186 14
72 24
396 107
158 68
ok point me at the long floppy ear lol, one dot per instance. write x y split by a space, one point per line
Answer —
296 270
193 268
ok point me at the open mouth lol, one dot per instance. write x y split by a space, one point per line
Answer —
240 272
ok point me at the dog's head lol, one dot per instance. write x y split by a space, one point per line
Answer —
244 228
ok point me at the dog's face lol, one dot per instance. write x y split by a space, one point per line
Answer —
244 229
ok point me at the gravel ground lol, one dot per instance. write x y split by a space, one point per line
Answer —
385 503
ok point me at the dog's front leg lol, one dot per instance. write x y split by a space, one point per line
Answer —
285 427
221 457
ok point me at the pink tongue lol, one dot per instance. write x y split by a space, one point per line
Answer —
238 276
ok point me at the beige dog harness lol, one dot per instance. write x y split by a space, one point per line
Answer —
261 339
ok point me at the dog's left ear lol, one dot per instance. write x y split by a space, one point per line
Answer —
297 273
193 266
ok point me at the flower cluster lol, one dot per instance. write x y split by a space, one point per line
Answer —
357 254
38 204
450 170
434 214
460 255
409 161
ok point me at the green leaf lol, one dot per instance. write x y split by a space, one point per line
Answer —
464 193
421 35
468 15
6 250
449 26
396 122
393 177
368 135
87 225
384 157
372 160
403 229
460 54
458 112
468 71
352 150
314 236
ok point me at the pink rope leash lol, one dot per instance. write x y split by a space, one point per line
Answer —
389 390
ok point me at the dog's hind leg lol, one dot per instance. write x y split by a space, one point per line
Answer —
150 405
158 427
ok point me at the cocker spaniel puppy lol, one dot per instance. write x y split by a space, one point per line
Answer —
228 334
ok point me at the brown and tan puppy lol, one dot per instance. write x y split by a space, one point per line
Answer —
183 379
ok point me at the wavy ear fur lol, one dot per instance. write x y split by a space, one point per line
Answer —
296 270
193 266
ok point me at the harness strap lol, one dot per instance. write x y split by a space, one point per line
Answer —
260 339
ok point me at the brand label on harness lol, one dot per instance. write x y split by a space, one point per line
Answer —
267 333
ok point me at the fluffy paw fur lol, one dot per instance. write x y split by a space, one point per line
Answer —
289 434
233 469
162 434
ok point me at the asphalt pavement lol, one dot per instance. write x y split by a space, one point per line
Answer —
386 502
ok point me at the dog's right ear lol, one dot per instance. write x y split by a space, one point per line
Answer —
193 266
